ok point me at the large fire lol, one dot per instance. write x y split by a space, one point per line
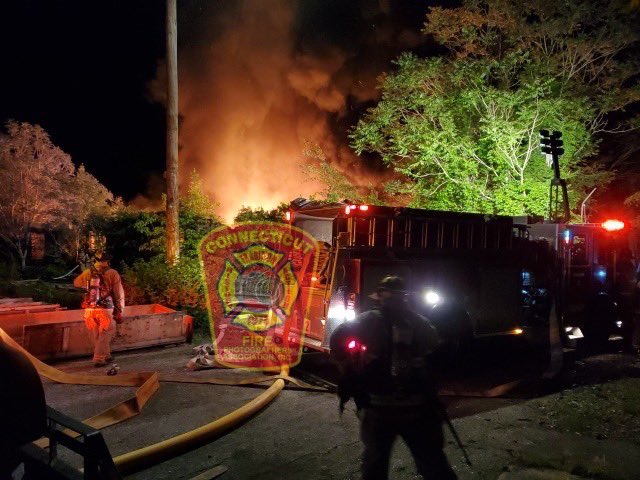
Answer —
256 86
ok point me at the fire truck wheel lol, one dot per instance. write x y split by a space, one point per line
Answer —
600 318
596 333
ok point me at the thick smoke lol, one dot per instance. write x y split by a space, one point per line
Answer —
260 78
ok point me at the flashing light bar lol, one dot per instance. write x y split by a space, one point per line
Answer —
350 208
612 225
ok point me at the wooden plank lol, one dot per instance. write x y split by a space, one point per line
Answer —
212 473
32 309
6 300
21 305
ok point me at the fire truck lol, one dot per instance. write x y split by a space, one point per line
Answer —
473 275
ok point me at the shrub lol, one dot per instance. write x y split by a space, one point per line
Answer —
179 287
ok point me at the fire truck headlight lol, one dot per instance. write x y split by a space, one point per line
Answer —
431 297
337 312
349 314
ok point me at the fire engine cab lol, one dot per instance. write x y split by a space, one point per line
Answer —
473 275
592 277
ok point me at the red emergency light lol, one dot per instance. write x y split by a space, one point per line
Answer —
354 346
612 225
364 208
287 216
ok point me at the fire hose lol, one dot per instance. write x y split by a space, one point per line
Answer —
144 457
148 384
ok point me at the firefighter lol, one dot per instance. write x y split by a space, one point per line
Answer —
384 359
103 304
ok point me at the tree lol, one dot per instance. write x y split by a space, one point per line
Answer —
41 187
136 235
85 198
590 47
463 128
337 186
197 216
196 201
37 181
259 214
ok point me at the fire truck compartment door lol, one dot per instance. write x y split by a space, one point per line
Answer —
491 294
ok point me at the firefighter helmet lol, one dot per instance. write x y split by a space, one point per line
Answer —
102 256
392 283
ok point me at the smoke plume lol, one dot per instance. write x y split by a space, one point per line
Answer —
260 78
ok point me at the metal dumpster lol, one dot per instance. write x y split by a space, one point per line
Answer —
62 334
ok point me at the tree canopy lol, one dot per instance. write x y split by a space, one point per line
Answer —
42 188
462 128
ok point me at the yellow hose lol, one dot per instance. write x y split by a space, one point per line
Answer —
147 382
145 457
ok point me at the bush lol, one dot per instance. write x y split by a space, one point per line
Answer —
136 240
43 292
179 287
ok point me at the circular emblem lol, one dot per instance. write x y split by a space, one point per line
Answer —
258 288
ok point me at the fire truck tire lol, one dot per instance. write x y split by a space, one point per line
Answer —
600 317
595 336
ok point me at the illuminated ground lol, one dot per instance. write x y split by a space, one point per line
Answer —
302 436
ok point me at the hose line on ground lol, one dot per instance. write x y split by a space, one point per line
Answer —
145 457
147 383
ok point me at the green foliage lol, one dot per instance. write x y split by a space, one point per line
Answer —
134 234
196 202
259 214
337 186
590 47
131 234
153 281
136 239
42 292
462 129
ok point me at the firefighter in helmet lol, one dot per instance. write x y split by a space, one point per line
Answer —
384 359
103 304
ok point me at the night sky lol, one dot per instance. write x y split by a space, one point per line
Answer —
82 71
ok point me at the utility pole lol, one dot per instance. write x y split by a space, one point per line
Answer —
551 145
171 174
